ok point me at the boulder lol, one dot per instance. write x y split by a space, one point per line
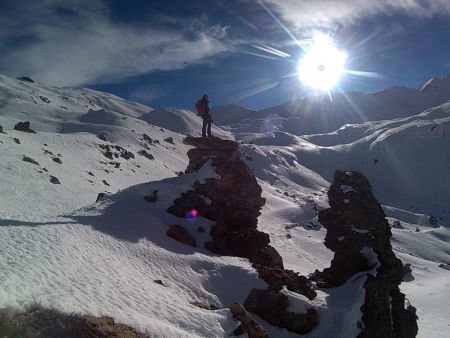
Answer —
29 160
272 307
26 79
54 180
181 235
24 126
252 328
145 154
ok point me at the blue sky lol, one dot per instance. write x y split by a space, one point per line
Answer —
168 53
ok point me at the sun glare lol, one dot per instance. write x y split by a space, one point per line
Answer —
322 65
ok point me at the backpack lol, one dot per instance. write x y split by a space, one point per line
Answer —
200 107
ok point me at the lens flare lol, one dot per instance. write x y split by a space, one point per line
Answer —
191 215
322 65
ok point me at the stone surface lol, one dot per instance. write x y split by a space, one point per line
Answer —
272 307
236 198
253 329
38 322
358 220
181 235
24 126
54 180
153 197
29 160
145 154
234 202
26 79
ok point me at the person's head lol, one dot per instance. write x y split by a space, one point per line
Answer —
205 97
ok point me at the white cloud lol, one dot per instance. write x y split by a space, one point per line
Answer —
77 43
306 13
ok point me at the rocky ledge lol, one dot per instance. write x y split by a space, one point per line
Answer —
359 235
234 202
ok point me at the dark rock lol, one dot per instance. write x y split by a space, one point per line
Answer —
397 225
105 183
29 160
181 235
204 306
145 154
1 130
158 281
108 154
253 329
44 99
54 180
239 331
16 140
272 307
24 126
153 197
57 160
277 277
169 140
358 220
26 79
100 196
114 151
90 173
127 154
36 321
102 137
235 198
267 256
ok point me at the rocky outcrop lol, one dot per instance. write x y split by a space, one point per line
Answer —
112 151
145 154
273 307
235 198
359 235
180 234
252 328
24 126
26 79
39 322
234 202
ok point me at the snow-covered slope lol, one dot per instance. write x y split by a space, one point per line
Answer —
322 114
60 248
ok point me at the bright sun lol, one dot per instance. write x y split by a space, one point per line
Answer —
322 65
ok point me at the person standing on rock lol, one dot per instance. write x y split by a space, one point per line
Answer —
204 111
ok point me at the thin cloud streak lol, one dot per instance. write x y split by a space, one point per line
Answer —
302 14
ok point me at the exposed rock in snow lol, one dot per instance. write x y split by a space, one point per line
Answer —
26 79
236 198
248 324
24 126
273 307
181 235
366 246
41 322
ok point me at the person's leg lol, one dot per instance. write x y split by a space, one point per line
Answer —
204 127
209 127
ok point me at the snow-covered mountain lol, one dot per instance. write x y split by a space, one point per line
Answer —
322 114
60 248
